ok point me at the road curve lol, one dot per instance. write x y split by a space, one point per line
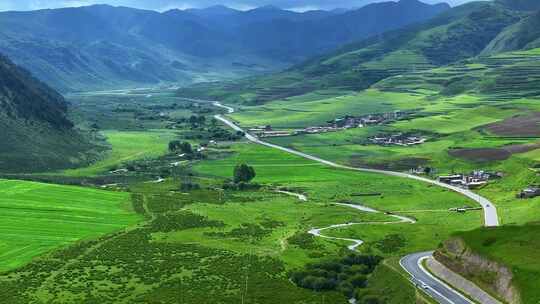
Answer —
434 287
357 242
491 219
424 280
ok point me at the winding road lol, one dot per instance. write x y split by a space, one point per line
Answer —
491 218
356 242
432 286
422 278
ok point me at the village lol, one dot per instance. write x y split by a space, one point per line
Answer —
338 124
473 180
398 139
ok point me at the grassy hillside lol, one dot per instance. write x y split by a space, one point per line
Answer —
37 218
36 133
105 47
460 33
514 247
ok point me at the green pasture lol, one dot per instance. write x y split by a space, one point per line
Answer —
324 185
128 146
37 218
303 111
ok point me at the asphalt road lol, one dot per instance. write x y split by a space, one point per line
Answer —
491 218
435 288
432 286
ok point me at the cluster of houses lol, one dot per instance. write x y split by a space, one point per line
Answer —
267 131
399 139
473 180
351 122
530 192
338 124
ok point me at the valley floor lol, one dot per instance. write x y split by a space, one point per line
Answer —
178 249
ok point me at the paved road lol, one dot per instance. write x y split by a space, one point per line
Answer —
435 288
491 218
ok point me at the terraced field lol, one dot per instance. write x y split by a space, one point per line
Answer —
37 218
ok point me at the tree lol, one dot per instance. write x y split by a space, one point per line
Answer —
184 147
174 145
243 173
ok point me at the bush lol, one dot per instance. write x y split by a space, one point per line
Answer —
346 274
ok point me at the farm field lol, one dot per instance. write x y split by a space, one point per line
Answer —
37 218
308 110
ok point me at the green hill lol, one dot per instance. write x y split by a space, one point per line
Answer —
503 261
36 133
461 33
522 35
103 47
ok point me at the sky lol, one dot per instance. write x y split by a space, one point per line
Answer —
163 5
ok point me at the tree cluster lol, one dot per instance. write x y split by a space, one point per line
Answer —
347 275
184 147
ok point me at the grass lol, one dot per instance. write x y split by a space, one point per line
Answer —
303 111
518 248
327 185
128 146
37 218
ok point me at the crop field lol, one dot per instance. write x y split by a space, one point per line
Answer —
37 218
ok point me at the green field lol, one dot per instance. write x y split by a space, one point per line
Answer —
326 185
127 146
37 218
308 110
226 236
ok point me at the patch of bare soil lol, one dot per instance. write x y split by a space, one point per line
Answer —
481 154
395 165
493 154
517 126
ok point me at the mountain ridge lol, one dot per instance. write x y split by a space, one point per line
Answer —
36 131
101 46
460 33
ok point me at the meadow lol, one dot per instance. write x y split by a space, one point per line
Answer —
37 218
194 245
324 185
455 108
126 146
210 244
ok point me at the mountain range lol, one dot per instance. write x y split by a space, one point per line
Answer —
101 47
461 33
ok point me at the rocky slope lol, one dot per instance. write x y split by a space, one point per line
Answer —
491 276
